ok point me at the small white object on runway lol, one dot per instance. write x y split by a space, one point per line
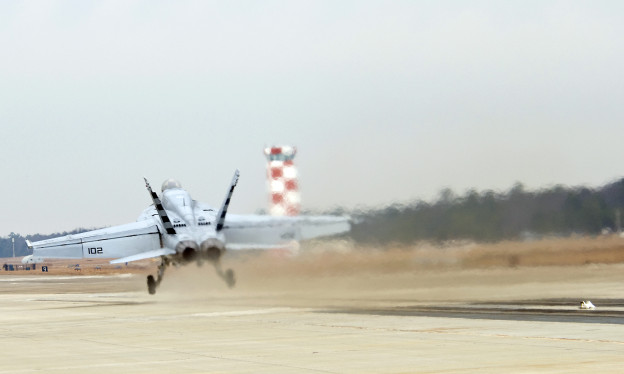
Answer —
587 305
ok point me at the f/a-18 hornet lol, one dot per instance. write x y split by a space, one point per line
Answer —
180 230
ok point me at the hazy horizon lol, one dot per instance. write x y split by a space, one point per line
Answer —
385 101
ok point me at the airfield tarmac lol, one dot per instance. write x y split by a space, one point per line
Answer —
294 317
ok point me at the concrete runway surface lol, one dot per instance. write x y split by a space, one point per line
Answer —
278 321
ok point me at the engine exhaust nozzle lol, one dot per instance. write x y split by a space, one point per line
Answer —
212 249
188 250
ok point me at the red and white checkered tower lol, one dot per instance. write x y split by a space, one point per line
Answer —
282 178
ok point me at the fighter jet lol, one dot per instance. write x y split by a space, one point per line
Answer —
180 230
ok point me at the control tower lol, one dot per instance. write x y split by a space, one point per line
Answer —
282 178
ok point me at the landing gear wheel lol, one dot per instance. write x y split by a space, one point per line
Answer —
151 284
229 278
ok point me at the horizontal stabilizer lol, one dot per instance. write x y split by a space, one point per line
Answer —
142 256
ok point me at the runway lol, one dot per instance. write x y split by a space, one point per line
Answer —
450 321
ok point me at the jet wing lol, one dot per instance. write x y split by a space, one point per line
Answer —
265 232
111 242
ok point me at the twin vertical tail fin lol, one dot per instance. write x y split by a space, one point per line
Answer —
162 213
226 202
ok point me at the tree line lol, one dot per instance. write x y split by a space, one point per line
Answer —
490 216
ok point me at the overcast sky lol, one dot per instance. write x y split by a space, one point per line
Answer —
386 101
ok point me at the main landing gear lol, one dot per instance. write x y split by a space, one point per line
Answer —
153 283
227 276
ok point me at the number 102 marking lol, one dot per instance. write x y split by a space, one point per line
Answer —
95 251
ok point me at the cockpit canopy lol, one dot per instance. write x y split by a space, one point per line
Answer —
170 183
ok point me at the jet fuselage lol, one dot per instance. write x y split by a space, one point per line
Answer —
194 224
